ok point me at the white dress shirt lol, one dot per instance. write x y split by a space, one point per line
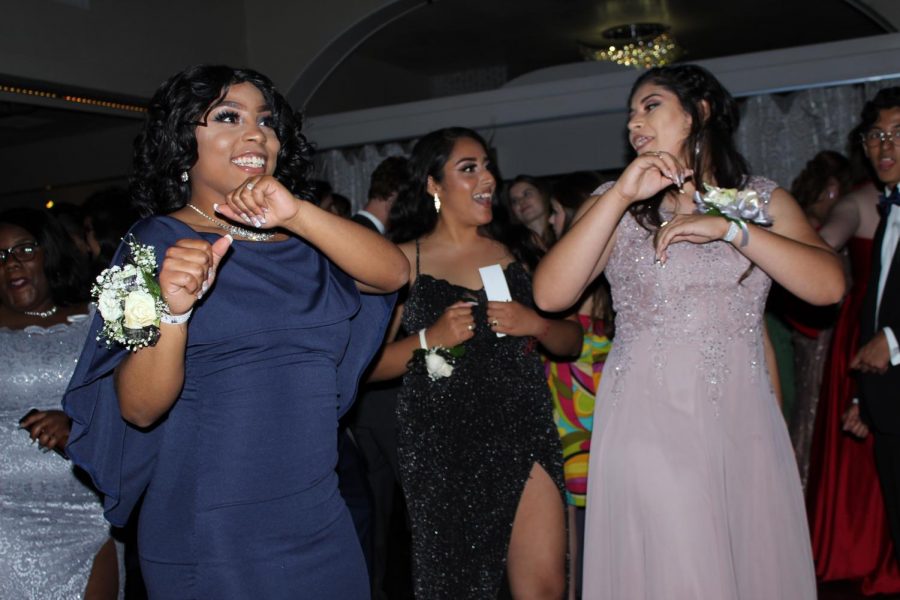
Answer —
375 220
888 247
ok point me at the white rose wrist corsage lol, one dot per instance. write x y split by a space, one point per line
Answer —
737 206
437 360
130 300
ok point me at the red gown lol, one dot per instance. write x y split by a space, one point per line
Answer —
849 529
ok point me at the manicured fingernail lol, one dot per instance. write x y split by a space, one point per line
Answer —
262 219
230 237
216 207
204 287
245 218
256 223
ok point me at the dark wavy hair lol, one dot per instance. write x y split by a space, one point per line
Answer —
572 189
710 142
391 175
884 99
548 236
167 146
65 267
413 214
813 179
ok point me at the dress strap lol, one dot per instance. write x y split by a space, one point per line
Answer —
417 258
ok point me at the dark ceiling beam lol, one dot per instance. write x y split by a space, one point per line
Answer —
331 56
884 13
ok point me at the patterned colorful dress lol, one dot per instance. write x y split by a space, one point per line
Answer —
573 386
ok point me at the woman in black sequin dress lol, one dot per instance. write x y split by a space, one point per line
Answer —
480 458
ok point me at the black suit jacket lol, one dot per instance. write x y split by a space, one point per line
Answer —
376 404
364 221
880 394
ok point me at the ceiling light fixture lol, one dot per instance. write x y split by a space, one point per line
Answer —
638 45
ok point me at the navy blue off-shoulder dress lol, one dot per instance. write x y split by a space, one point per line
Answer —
240 492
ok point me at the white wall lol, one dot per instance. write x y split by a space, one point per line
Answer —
578 122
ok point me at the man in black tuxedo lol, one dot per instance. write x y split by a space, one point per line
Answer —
373 419
878 359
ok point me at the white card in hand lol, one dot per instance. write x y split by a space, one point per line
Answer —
495 285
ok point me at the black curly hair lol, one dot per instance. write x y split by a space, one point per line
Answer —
65 267
167 146
413 214
710 143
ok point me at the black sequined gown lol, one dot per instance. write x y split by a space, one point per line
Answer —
468 442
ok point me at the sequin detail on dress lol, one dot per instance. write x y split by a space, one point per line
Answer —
51 524
467 444
694 490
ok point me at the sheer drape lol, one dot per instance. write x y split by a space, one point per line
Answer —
779 133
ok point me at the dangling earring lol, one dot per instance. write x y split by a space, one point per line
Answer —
185 177
437 204
696 151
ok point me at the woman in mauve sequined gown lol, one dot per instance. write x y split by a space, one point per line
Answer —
480 459
54 541
694 490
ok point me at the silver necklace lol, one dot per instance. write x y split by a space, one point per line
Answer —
43 314
255 236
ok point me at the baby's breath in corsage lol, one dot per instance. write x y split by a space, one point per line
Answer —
738 206
130 300
438 361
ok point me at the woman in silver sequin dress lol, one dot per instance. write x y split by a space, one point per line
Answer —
54 541
694 490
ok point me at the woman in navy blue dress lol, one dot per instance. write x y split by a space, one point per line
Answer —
228 425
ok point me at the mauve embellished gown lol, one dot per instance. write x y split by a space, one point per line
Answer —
694 490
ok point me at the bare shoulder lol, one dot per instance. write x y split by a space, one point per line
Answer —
409 251
865 197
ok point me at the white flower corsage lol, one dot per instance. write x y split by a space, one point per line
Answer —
439 361
130 300
738 206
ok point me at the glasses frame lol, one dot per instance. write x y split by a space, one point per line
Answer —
21 256
882 136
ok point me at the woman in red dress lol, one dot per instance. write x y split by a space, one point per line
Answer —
846 511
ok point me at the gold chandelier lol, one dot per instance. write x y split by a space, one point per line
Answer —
638 45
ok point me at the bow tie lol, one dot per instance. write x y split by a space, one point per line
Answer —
886 200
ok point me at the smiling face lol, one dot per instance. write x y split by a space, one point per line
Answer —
884 156
657 122
237 142
528 205
467 186
23 284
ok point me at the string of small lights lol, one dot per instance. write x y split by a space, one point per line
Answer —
24 91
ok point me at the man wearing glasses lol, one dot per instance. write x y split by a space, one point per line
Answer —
879 355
